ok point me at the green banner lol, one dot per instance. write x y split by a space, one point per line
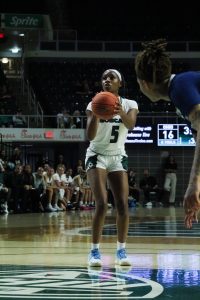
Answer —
23 21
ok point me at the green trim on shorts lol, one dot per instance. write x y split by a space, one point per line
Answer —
124 162
91 163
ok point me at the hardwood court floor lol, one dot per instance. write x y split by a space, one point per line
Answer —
44 256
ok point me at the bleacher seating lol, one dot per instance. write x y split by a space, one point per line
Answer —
72 83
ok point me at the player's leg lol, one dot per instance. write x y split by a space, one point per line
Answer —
119 186
97 180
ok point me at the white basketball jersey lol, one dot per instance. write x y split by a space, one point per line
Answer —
111 134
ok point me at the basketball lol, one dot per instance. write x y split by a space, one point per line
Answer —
103 105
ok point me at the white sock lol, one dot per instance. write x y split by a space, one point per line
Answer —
120 245
94 246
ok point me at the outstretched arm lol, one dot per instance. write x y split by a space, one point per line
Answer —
191 199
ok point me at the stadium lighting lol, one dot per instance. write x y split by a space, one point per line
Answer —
4 60
15 50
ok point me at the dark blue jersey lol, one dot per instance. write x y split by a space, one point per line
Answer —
184 91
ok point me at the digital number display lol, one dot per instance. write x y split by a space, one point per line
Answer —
141 135
174 135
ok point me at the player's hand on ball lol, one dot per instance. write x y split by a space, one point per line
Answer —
118 109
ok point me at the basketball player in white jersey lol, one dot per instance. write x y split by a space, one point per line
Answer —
106 163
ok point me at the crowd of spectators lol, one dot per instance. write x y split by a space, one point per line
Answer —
56 186
52 187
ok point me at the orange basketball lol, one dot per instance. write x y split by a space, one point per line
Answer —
103 105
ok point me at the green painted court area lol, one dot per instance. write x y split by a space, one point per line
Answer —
32 282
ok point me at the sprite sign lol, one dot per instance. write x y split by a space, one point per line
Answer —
23 21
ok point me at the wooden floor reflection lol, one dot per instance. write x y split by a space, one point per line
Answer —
157 239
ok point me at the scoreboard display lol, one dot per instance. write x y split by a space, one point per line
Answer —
174 135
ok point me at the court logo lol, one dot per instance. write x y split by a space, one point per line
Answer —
75 283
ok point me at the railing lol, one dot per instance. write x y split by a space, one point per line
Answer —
49 121
65 43
33 104
67 40
108 46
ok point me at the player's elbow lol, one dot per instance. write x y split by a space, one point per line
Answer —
131 125
90 135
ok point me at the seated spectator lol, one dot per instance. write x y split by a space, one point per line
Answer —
3 161
60 160
83 190
64 120
19 120
61 201
14 181
76 120
28 186
51 189
111 200
16 157
2 165
3 198
150 188
67 181
38 191
134 191
42 161
78 167
170 182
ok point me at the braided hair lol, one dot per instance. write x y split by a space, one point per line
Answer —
153 64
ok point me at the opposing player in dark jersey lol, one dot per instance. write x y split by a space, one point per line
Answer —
106 163
153 70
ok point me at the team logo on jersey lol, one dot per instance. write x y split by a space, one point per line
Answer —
76 283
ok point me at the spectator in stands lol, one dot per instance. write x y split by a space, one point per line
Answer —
3 161
4 192
134 191
19 120
170 168
153 69
3 198
51 189
39 190
16 157
76 120
60 160
69 179
83 190
64 120
46 168
78 167
68 185
59 181
28 186
42 162
149 186
2 168
14 181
